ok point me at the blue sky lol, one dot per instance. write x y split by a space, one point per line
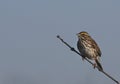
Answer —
30 53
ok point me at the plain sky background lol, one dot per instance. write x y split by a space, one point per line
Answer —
30 53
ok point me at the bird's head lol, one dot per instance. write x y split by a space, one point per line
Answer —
82 35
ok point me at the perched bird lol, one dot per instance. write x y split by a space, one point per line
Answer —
89 48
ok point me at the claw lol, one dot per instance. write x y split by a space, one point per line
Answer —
83 58
94 65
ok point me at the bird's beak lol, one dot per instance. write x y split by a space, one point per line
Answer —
77 34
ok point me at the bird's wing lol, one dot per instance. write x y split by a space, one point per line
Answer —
95 46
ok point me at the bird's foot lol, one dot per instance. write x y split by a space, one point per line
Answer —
94 65
83 58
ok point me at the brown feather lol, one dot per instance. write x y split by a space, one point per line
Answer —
88 47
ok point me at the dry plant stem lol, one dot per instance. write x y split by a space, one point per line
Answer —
72 49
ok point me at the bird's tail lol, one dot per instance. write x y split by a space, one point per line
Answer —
99 65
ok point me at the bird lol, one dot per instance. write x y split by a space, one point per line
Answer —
89 49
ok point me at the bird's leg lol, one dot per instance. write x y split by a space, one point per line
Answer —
83 57
94 65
